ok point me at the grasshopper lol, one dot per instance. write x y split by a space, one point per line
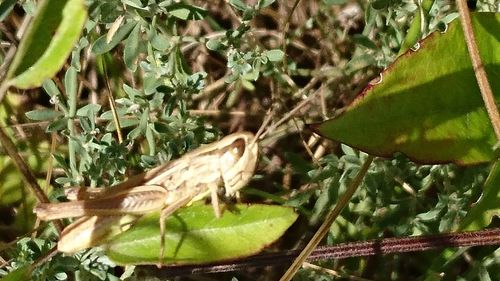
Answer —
228 163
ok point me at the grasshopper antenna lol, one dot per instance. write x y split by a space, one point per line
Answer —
260 135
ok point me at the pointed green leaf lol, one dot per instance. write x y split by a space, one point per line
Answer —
71 87
47 43
195 235
132 48
88 110
57 125
414 33
274 55
101 46
428 104
187 12
43 114
482 212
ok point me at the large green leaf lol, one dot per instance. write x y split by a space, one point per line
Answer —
428 104
195 235
48 42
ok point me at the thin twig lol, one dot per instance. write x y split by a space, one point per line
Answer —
477 65
333 272
286 26
301 104
330 218
342 251
43 259
28 176
216 112
112 104
50 164
48 177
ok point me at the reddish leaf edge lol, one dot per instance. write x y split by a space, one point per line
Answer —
314 127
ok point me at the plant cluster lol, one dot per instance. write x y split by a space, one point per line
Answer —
149 80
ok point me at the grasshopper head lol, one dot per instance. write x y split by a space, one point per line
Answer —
238 161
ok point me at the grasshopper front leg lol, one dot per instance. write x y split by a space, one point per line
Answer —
214 199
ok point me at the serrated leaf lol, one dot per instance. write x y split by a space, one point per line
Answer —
43 114
194 235
428 104
47 43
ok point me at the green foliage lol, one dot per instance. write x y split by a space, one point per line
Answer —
88 266
394 196
47 43
483 211
164 62
20 273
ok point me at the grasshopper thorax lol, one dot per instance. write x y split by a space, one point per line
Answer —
238 160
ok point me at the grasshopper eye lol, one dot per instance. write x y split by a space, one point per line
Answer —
237 148
232 154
